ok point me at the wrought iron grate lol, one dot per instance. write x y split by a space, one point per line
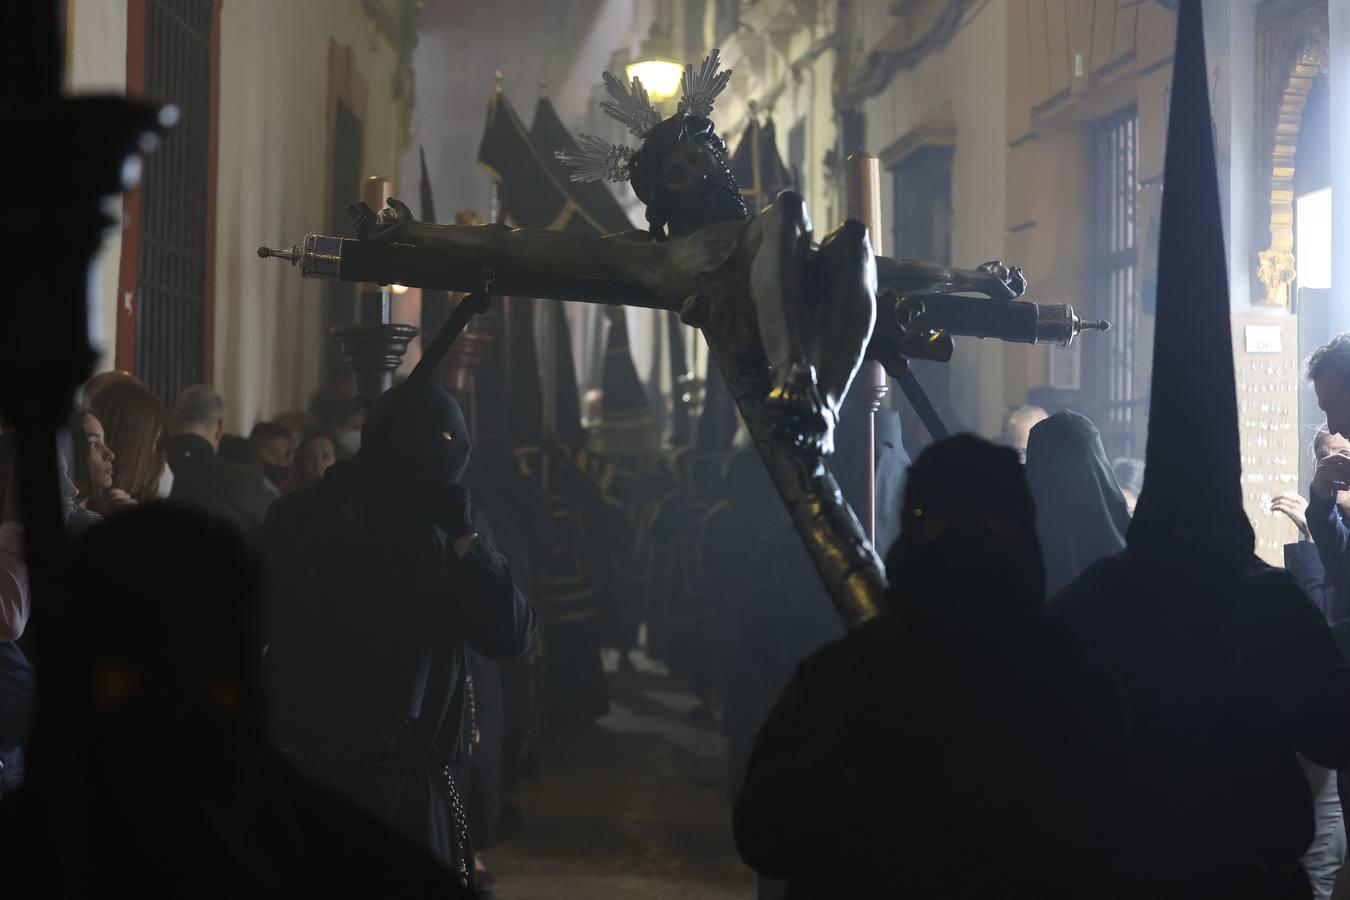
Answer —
171 317
1116 294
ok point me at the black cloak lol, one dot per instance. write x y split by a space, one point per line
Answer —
957 745
1081 515
371 610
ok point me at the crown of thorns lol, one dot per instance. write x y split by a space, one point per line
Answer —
598 160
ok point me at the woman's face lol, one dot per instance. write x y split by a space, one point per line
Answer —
100 457
319 455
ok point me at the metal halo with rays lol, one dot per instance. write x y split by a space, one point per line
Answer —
699 90
630 106
596 159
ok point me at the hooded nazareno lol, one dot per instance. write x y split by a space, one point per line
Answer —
1228 670
372 605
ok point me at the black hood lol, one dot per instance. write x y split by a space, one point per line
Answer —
627 425
414 440
967 550
1081 515
1191 503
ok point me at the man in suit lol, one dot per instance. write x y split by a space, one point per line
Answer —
200 477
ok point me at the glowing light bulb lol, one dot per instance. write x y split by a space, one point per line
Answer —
397 289
660 77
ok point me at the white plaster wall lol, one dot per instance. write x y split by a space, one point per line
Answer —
272 180
1340 175
970 77
1230 52
460 47
272 188
97 63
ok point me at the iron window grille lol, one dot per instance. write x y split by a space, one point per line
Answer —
1116 282
172 272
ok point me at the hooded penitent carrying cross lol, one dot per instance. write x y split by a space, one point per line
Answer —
1228 670
789 321
373 711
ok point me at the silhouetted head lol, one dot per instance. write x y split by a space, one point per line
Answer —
682 175
170 603
1329 371
967 533
414 440
199 410
1017 427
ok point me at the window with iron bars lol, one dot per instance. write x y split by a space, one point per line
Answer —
923 230
172 272
1115 263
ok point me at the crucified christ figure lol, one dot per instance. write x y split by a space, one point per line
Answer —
788 319
812 306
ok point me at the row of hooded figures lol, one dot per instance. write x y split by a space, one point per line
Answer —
622 532
1141 740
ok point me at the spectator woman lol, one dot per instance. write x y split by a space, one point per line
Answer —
317 451
93 475
133 422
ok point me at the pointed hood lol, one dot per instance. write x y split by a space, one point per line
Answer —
626 424
680 424
758 168
717 421
569 393
594 208
522 373
435 304
492 388
1191 503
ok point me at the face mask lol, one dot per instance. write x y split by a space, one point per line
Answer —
973 572
415 441
276 474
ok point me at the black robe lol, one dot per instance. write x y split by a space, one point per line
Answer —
280 838
1227 678
935 757
201 478
371 610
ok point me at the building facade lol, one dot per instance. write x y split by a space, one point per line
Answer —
285 107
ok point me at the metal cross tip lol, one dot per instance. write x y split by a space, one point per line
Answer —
292 255
1094 325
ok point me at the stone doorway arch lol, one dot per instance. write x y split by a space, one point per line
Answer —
1291 51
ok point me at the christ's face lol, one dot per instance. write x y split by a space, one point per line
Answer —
696 181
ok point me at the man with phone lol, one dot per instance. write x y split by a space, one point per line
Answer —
1329 371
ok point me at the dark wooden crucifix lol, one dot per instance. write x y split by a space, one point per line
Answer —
788 320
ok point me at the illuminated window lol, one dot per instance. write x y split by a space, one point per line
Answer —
1312 214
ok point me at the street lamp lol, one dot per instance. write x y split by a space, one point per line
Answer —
656 69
